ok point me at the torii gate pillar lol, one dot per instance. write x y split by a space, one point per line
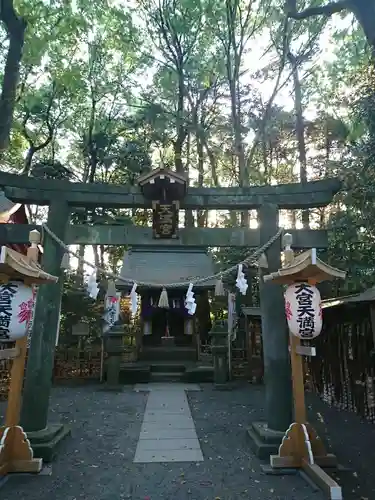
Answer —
38 383
266 436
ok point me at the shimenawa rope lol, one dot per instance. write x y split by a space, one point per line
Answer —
248 260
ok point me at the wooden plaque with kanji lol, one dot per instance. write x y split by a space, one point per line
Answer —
165 220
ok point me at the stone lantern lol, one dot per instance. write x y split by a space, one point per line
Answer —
219 336
113 345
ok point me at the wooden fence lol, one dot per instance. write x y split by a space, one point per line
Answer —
78 364
343 371
71 363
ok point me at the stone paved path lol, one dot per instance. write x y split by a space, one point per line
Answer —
168 432
97 461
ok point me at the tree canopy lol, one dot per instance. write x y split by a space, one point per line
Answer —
233 93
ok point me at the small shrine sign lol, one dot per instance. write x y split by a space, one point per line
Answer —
165 220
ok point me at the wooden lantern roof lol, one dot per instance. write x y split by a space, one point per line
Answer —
305 267
16 266
162 184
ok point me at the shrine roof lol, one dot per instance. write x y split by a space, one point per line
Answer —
161 173
17 266
366 296
305 266
166 265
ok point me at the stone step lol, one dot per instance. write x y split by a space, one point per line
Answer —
164 367
168 354
166 376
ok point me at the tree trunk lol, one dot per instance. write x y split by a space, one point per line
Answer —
201 214
81 255
181 130
202 139
300 130
28 160
189 216
15 27
102 253
364 11
238 143
96 255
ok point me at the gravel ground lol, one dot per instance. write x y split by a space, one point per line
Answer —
96 462
353 442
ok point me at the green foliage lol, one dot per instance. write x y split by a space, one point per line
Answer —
352 224
77 306
49 169
109 89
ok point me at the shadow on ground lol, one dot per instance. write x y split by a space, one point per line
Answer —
96 462
353 442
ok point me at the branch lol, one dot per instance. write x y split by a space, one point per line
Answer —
50 127
24 128
277 86
324 10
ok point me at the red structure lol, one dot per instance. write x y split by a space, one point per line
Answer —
13 213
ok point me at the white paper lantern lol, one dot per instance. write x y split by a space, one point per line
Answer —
16 310
303 310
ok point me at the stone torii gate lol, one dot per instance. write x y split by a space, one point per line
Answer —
62 197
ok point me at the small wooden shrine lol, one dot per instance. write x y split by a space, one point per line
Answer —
18 274
301 446
165 264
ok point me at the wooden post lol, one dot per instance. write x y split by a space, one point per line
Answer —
301 446
16 454
277 373
39 369
12 416
298 381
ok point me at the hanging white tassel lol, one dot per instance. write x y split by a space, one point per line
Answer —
92 286
241 282
133 300
190 303
219 288
65 261
163 300
111 289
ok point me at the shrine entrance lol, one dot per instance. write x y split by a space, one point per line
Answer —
164 255
165 321
167 264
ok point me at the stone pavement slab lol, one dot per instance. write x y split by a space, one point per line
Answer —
170 387
170 444
167 415
169 434
149 456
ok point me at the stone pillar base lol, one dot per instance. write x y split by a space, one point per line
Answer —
45 443
263 441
